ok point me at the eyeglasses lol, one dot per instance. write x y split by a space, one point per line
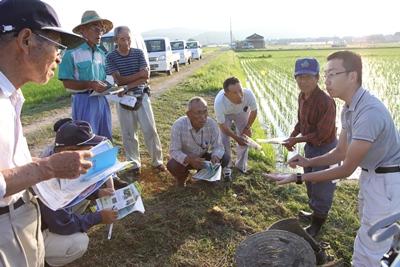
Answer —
331 75
60 48
98 29
200 113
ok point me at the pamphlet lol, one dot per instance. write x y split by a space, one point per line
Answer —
211 173
251 143
59 193
126 200
88 191
111 90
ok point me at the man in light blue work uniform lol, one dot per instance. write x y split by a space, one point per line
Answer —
82 71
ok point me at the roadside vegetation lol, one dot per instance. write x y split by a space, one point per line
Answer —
203 223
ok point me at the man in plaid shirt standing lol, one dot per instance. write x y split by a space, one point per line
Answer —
316 126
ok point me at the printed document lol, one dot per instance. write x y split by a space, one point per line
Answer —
59 193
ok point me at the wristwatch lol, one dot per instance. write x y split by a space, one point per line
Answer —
299 181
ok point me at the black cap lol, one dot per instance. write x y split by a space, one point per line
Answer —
16 15
77 133
60 123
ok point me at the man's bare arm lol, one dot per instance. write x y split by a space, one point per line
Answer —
69 164
226 130
138 78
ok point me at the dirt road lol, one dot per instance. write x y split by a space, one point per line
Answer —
159 83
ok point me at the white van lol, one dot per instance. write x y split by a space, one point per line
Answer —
195 48
181 47
162 58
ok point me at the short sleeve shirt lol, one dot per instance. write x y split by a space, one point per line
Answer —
223 106
368 119
83 64
125 65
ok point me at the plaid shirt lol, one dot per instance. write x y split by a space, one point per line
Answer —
185 141
316 118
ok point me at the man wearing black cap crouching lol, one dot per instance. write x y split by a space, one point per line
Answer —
32 44
64 230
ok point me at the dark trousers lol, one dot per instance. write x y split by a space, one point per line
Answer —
319 193
180 171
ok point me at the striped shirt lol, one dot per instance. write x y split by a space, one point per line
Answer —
316 118
185 141
125 65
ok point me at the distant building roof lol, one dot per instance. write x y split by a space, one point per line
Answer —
255 36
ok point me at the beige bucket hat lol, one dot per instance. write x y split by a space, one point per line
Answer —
91 16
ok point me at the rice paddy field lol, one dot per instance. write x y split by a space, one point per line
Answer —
270 75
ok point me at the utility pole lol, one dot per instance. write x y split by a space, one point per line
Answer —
230 45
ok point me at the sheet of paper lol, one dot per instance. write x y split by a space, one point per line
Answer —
211 173
126 100
277 140
126 200
57 193
112 90
87 192
55 198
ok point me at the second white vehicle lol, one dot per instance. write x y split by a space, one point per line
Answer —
195 48
180 46
161 56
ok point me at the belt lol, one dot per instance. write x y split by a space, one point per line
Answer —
6 209
85 93
385 169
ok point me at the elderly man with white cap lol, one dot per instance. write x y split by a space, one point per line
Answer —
83 71
32 44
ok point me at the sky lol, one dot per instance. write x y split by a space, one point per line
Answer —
281 18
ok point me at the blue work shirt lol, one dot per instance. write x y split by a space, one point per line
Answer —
83 63
86 63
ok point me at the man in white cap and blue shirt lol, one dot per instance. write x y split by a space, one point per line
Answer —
83 71
32 44
316 127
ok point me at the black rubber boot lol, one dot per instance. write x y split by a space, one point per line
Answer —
306 215
316 223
